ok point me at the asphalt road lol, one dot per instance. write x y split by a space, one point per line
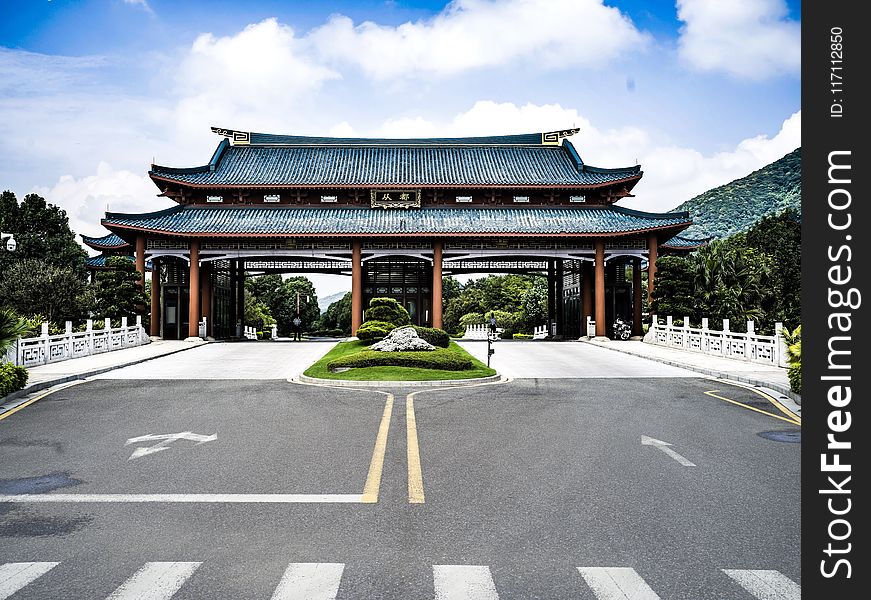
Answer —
534 488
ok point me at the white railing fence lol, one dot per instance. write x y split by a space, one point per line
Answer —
481 332
539 332
31 352
750 347
250 332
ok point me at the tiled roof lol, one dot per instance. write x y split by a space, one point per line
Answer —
679 242
382 164
304 221
110 241
270 139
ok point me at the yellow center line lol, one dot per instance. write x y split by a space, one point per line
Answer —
415 476
791 415
764 412
12 411
376 466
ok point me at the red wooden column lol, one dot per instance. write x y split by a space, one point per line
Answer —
652 249
437 285
356 287
600 288
140 260
587 295
636 297
206 303
155 297
194 304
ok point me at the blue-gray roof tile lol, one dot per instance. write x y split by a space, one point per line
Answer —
336 165
306 221
107 241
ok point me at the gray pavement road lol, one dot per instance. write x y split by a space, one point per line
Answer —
561 360
534 488
237 360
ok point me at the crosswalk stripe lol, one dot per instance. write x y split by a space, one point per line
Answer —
766 584
155 581
310 581
14 576
463 582
617 583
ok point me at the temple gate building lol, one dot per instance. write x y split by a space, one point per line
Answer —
396 215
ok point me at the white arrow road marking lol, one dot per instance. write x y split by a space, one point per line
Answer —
14 576
310 581
463 582
155 581
617 583
664 446
165 440
766 585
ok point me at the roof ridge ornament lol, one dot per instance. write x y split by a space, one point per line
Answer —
238 138
552 138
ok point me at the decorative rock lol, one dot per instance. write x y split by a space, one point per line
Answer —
402 340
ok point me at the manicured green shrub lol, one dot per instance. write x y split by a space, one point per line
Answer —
522 336
434 336
326 333
12 378
794 374
440 358
473 318
374 330
389 311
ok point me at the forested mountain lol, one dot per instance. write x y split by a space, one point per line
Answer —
734 207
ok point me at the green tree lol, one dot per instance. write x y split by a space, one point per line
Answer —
32 286
779 236
116 290
338 315
674 291
12 327
533 307
280 296
42 231
257 312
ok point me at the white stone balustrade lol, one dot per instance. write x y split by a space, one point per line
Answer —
481 332
750 347
539 332
250 332
31 352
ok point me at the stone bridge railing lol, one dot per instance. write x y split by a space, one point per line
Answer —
31 352
750 347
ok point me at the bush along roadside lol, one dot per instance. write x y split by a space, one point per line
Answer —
12 378
434 336
371 331
793 355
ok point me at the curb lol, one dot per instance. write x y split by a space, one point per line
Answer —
42 385
780 389
435 383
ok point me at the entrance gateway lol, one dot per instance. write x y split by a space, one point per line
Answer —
396 215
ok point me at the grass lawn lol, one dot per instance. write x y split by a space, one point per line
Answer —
319 369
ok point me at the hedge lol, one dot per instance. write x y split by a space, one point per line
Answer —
794 374
522 336
374 330
326 333
12 378
389 311
440 358
436 337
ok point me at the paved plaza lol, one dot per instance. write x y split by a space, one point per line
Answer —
206 474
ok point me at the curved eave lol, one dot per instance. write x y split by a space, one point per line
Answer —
132 225
632 179
107 242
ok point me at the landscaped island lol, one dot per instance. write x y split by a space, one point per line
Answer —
390 349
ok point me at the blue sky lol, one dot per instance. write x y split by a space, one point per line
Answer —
700 92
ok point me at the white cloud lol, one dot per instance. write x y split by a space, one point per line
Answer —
86 199
474 34
751 39
251 80
143 4
672 173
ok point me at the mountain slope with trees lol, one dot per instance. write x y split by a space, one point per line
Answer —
736 206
